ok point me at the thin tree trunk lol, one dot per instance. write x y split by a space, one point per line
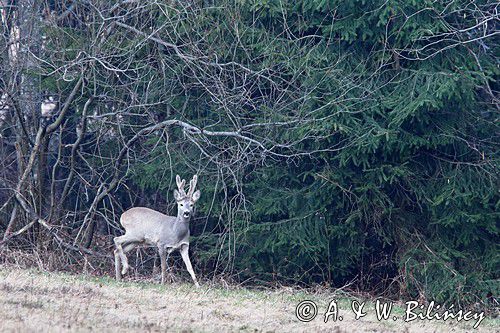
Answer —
11 224
28 89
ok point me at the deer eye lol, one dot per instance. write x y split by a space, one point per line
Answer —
182 205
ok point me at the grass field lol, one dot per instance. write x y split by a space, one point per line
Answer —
34 301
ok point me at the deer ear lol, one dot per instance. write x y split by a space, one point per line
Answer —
196 195
177 195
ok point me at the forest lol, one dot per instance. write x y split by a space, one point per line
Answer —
351 145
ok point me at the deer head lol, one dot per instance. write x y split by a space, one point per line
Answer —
186 201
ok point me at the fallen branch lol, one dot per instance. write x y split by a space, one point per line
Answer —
9 236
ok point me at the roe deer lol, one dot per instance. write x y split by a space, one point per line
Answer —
144 226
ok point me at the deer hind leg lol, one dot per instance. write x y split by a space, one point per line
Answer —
185 257
127 248
119 253
117 265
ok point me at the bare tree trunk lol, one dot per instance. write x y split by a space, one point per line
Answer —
25 27
11 224
42 192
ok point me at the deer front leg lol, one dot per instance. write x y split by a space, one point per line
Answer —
163 262
185 257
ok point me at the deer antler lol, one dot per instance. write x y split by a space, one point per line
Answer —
180 185
192 185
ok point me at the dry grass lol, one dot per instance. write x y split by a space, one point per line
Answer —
34 301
